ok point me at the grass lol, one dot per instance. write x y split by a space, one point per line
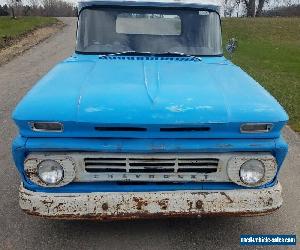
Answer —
269 50
11 29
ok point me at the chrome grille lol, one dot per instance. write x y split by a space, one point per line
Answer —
151 165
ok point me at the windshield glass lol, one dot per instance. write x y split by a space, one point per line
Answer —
154 30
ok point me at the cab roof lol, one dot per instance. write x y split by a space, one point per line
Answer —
213 5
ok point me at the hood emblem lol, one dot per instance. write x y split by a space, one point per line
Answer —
151 79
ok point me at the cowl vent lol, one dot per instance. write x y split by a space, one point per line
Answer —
149 58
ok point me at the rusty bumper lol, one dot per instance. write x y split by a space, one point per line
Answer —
130 205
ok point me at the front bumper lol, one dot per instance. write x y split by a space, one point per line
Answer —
131 205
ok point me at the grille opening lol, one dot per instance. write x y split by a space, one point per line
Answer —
152 159
152 170
151 164
199 159
91 164
105 170
197 164
121 129
106 164
197 170
104 159
187 129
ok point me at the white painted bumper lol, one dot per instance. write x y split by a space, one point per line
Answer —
129 205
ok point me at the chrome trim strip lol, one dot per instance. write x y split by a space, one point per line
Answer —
235 163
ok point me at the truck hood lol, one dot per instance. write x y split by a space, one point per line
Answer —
146 92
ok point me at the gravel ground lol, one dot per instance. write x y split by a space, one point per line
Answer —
19 231
27 41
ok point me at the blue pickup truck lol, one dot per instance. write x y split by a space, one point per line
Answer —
148 119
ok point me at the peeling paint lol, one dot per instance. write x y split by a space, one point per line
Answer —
178 108
182 108
97 109
205 107
127 205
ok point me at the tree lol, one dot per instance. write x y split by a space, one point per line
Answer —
254 7
260 6
250 7
57 8
231 6
13 4
4 10
34 7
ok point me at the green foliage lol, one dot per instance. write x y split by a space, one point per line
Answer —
269 50
13 28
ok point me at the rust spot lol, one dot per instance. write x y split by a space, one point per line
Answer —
163 204
30 174
105 206
269 202
58 207
146 215
47 202
199 204
140 203
190 204
230 200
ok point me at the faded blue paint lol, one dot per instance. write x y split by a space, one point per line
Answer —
151 94
23 146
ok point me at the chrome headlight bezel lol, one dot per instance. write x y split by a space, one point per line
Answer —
33 160
235 163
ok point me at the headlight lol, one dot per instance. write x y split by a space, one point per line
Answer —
50 171
252 172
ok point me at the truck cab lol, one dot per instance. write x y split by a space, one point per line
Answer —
148 119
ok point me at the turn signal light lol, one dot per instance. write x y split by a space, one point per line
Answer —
46 126
256 127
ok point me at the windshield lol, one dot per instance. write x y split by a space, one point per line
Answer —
154 30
